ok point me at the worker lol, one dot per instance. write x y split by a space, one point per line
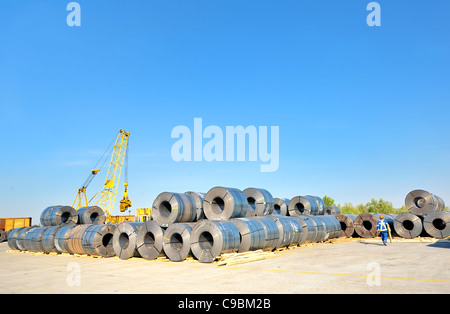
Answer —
383 228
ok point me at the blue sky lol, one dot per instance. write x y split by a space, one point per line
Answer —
362 111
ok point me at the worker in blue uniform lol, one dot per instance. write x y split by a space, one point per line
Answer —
383 229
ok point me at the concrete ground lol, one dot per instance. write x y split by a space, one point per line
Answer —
348 267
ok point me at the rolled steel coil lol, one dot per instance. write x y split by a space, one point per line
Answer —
332 210
33 239
62 238
321 234
303 205
198 203
169 208
309 230
149 241
98 240
12 238
252 234
366 225
437 224
48 239
91 215
260 202
320 203
332 226
125 239
290 230
280 206
75 239
223 203
347 224
44 215
408 225
20 240
59 216
420 202
177 241
272 233
210 239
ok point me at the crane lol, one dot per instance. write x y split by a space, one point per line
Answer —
119 157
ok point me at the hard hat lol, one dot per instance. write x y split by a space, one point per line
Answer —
381 217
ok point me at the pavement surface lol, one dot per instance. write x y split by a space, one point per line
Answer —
348 267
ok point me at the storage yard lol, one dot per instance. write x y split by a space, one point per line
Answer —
238 238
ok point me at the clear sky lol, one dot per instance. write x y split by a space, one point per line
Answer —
362 111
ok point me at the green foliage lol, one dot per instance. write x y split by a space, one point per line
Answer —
328 201
374 206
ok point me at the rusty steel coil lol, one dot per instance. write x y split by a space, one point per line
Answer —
408 226
91 215
347 224
437 224
303 205
198 198
280 206
125 239
366 225
149 241
260 202
98 240
169 208
210 239
222 203
177 241
252 234
420 202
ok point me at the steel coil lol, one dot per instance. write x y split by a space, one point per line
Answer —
437 224
48 239
272 233
33 239
408 225
320 204
224 203
321 234
289 229
59 216
303 205
260 202
98 240
347 224
20 240
44 215
309 230
420 202
177 241
149 241
252 234
198 203
210 239
91 215
169 208
62 237
366 225
75 238
280 206
332 210
332 226
125 239
12 238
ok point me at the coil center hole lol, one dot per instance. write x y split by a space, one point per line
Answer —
300 207
277 208
94 217
218 205
251 202
165 209
149 239
65 217
206 240
176 241
408 225
124 240
107 240
367 224
439 224
420 202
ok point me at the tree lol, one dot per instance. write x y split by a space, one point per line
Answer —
328 201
